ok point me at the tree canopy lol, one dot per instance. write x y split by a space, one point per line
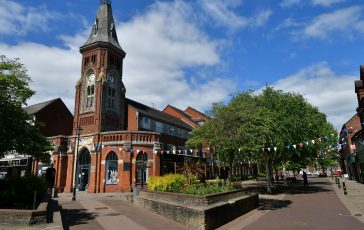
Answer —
273 128
18 131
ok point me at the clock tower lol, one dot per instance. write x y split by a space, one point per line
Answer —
100 92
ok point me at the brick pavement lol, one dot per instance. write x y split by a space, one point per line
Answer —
354 200
315 208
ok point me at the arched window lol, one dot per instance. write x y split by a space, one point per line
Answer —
90 91
112 168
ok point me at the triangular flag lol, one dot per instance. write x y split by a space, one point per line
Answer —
294 146
268 149
275 148
313 141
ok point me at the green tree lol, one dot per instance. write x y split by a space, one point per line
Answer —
17 129
260 126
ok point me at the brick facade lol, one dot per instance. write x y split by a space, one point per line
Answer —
121 141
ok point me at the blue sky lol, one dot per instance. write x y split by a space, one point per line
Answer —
197 52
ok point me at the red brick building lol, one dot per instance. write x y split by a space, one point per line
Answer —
347 151
121 142
53 118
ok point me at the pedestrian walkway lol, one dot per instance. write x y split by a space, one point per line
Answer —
318 207
354 200
110 212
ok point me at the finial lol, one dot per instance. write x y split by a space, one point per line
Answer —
108 2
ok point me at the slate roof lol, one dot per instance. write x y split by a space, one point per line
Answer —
33 109
104 27
180 111
202 114
157 114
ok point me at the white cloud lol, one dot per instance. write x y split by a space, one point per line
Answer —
161 45
155 63
333 94
222 12
18 20
54 71
288 3
261 18
326 2
347 21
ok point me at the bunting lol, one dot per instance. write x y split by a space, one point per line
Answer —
304 143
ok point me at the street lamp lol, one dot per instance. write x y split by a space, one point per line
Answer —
78 131
131 163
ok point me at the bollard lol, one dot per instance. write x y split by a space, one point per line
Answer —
336 180
344 188
338 184
56 189
35 199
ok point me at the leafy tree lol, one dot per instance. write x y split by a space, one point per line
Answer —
17 129
260 126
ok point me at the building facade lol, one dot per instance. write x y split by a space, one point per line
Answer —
53 118
348 149
116 143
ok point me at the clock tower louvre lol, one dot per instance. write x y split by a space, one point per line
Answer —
100 92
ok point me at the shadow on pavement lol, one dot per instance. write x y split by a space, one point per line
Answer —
271 204
72 217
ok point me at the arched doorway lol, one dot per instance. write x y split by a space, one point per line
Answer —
141 169
83 170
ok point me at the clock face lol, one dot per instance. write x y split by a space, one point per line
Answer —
110 79
91 77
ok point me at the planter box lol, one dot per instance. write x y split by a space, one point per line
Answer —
199 212
9 217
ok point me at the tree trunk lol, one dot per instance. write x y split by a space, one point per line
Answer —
277 177
268 176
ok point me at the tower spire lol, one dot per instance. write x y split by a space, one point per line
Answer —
103 30
108 2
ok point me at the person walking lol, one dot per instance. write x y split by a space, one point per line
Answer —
50 178
305 182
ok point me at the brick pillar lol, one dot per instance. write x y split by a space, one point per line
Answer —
92 181
69 175
156 165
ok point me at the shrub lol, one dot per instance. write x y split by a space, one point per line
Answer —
167 183
250 177
205 189
261 174
19 192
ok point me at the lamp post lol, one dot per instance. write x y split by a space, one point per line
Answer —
78 131
131 163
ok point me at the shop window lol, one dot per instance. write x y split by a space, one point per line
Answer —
111 168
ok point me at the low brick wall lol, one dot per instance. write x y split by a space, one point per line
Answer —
207 212
24 217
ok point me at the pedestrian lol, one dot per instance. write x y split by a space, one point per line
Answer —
50 178
305 182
